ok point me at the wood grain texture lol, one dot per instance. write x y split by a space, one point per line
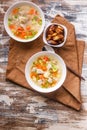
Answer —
22 109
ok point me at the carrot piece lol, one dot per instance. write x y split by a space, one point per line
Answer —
54 74
28 28
41 76
12 26
15 11
20 32
20 29
46 58
38 66
32 74
44 68
23 34
53 83
31 11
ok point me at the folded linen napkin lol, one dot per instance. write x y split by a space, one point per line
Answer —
72 53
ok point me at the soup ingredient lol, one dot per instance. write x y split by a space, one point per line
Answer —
55 34
46 71
24 21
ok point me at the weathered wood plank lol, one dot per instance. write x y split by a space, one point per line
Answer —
22 109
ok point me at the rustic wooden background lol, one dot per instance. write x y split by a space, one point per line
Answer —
22 109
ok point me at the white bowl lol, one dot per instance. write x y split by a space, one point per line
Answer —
45 32
28 69
18 4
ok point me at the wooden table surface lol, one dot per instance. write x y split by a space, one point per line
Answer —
22 109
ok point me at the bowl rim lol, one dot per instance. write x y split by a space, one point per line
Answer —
6 20
44 34
29 64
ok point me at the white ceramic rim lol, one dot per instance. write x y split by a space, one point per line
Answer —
6 20
65 36
32 84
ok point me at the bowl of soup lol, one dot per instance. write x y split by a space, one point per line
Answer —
55 35
45 71
24 21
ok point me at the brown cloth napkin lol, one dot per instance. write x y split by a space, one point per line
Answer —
72 53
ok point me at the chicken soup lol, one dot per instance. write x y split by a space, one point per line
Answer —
24 21
46 71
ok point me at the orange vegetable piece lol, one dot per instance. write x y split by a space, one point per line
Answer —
28 28
32 74
53 83
15 11
23 34
31 11
12 26
41 76
54 74
44 68
38 66
46 58
20 29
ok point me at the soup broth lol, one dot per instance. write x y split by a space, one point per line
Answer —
46 71
24 21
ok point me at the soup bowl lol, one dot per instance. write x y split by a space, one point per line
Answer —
24 21
55 35
45 71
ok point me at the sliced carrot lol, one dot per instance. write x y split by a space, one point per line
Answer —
44 68
38 66
53 83
15 11
32 74
46 58
54 74
20 33
12 26
41 76
23 35
17 34
20 29
28 28
31 11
